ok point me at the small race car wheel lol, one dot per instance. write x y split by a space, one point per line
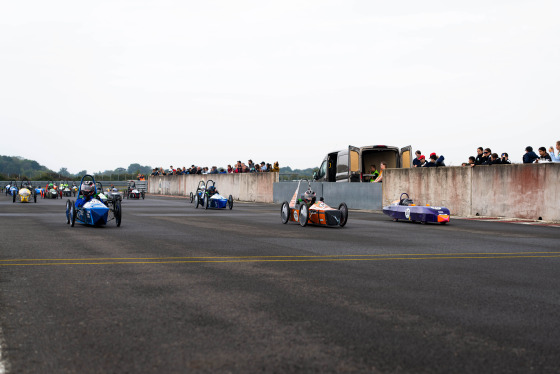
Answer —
35 197
230 202
14 197
191 197
206 201
196 201
343 214
303 215
143 194
72 213
68 203
117 211
285 212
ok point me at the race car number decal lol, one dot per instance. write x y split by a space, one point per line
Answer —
296 217
407 213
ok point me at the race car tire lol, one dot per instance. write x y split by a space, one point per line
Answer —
230 202
206 201
191 196
72 213
343 214
117 211
35 197
196 201
285 212
68 204
143 194
14 198
303 215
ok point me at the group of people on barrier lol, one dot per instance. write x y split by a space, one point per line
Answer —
239 167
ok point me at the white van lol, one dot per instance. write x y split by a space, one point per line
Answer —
353 164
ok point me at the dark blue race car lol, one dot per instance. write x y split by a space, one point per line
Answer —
405 209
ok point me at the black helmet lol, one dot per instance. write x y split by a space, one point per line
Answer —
212 189
309 196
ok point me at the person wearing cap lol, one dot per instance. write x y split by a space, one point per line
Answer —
435 161
423 162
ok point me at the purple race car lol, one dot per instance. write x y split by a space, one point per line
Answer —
405 209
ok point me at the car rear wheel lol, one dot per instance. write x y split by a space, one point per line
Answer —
285 212
230 202
206 201
196 201
191 196
68 203
343 214
117 211
14 197
303 215
72 213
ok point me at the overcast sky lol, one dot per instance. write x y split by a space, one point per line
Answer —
102 84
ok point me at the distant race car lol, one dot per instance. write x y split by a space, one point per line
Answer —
65 190
11 188
211 199
51 191
133 193
198 195
96 211
405 209
26 193
306 210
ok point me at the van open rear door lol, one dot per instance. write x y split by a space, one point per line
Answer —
354 164
406 157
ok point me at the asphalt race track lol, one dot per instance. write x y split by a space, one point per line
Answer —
180 290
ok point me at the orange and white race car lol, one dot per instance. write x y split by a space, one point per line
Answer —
306 210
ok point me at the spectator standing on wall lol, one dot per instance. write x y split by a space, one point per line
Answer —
416 162
529 157
554 157
479 156
544 157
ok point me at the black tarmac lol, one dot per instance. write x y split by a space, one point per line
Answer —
182 290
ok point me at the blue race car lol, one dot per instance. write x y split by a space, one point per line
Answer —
91 208
11 189
210 198
405 209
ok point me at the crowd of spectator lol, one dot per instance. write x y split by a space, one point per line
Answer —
485 156
238 167
434 160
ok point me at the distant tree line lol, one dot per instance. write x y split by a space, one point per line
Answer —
18 168
289 174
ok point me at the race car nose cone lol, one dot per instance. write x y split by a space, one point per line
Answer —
99 214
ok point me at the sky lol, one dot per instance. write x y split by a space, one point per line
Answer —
99 85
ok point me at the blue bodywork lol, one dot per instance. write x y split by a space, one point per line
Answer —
89 211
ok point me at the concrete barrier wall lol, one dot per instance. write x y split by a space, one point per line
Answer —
256 187
450 187
518 191
355 195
